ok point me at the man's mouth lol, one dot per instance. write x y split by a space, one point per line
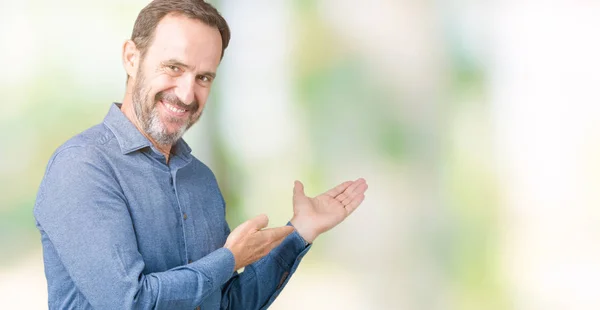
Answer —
173 109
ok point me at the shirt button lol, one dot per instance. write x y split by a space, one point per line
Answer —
185 216
198 308
189 261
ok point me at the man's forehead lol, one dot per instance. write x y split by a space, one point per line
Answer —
180 36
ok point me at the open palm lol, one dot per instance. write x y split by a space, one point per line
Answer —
313 216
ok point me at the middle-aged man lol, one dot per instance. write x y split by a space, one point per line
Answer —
129 219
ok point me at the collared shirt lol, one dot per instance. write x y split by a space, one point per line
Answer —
122 229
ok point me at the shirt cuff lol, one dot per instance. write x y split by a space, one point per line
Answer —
296 232
292 248
289 254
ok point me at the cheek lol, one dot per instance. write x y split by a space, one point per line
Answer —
195 117
202 97
159 84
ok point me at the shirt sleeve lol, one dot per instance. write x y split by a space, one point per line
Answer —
261 282
83 212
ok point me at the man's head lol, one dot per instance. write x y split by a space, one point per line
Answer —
171 61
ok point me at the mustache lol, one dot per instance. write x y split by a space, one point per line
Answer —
174 101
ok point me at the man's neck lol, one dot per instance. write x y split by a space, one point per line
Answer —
128 110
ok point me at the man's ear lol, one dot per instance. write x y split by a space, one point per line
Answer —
131 58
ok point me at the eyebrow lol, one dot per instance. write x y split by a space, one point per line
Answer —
179 63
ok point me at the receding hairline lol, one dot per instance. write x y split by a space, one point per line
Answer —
177 14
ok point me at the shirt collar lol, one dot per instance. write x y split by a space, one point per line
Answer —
130 138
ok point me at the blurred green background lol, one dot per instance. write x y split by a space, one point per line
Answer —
476 124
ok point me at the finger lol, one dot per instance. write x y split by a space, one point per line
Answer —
277 233
338 189
298 188
353 205
276 242
259 222
274 245
358 190
350 190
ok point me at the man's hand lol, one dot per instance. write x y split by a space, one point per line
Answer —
314 216
249 242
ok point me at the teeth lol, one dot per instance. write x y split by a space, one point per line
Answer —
174 109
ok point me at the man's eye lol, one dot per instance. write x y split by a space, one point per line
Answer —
174 69
204 78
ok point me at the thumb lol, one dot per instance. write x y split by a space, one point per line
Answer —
298 188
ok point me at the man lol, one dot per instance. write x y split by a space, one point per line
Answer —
129 219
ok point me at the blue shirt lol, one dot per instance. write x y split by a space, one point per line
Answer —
122 229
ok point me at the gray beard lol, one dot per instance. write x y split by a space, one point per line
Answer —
156 129
149 119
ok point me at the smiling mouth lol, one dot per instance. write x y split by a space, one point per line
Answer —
175 110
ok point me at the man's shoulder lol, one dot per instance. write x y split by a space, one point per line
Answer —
97 135
89 144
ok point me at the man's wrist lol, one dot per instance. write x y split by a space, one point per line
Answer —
305 231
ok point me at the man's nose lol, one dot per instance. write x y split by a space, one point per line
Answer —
185 90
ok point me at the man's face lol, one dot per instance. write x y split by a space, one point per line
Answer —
174 77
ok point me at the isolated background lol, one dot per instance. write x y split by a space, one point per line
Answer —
476 124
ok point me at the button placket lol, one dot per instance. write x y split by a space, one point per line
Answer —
182 214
